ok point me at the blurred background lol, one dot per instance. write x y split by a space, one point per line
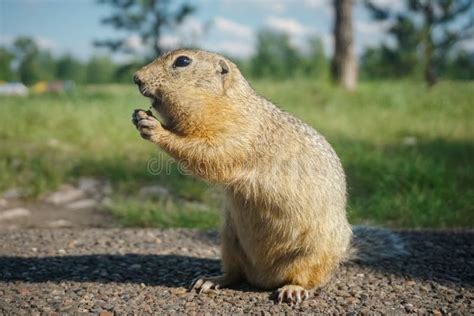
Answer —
389 83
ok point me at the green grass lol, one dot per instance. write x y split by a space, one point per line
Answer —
132 212
408 151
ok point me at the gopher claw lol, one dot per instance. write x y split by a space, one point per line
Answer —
204 285
291 294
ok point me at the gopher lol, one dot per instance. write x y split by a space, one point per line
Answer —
284 225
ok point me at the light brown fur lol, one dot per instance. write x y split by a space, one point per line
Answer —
285 220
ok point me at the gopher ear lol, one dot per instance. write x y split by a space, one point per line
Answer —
223 68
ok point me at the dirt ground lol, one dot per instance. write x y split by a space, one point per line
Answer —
125 271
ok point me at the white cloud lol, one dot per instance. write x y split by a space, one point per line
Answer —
278 7
467 44
324 6
239 49
264 6
232 28
395 5
188 33
371 34
135 44
231 38
191 26
169 41
6 40
328 42
319 4
299 33
287 25
372 27
45 43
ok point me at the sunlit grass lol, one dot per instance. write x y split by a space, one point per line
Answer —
408 151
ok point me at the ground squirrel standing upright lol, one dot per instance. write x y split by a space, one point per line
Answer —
285 224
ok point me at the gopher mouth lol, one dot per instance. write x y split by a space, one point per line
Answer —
155 100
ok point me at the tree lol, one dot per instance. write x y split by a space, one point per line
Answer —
460 66
6 59
68 68
398 62
124 73
344 64
275 56
315 62
147 18
99 70
433 27
33 65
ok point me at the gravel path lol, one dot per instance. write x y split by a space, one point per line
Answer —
145 271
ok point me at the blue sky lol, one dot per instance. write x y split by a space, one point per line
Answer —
70 26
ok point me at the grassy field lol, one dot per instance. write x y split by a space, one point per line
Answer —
408 151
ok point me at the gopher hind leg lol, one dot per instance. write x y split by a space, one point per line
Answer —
303 275
232 256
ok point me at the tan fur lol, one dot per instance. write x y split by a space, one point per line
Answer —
285 219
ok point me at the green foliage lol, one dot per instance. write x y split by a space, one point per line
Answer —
68 68
34 65
316 64
6 59
398 62
39 65
460 67
124 72
407 150
386 62
100 70
425 33
276 58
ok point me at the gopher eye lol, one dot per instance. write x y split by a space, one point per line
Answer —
182 61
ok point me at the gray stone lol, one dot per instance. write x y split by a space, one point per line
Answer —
65 194
82 204
60 223
107 189
107 202
89 185
53 142
14 213
13 193
409 141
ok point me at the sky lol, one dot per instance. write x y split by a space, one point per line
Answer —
225 26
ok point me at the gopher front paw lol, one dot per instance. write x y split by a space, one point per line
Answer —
148 126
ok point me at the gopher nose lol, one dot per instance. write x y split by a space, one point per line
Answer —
137 80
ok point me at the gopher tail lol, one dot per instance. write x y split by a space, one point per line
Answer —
371 244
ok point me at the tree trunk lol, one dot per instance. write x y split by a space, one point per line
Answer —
156 37
344 64
431 76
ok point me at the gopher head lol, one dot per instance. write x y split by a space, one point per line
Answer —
185 84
